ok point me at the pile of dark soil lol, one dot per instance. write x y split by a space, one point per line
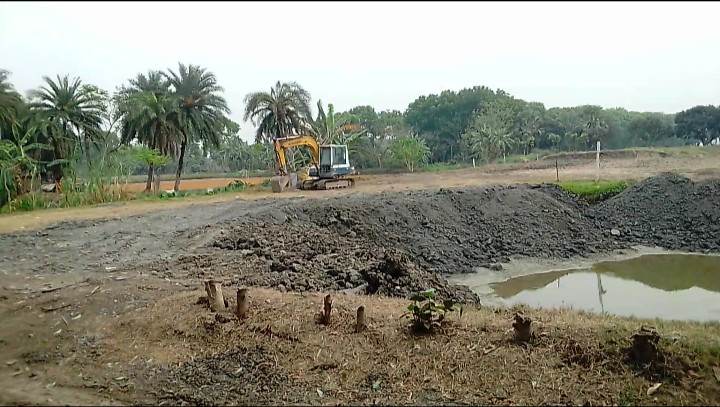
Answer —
399 243
302 258
456 230
667 210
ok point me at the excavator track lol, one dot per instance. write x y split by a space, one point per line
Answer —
324 184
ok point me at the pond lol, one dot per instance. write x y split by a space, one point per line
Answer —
665 286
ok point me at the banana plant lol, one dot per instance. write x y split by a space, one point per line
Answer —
18 169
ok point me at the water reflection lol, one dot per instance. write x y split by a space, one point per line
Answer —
653 286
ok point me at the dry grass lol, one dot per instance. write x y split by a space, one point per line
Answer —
575 357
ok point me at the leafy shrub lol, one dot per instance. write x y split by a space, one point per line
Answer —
426 313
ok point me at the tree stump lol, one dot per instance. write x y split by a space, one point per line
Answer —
523 328
215 295
327 308
360 322
645 345
242 303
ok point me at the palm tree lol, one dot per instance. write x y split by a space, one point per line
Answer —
202 109
154 120
503 141
72 113
9 101
147 98
283 111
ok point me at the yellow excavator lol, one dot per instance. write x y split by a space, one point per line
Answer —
329 168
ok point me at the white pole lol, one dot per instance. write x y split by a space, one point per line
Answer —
473 163
597 161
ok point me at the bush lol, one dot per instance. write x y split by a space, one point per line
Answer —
426 313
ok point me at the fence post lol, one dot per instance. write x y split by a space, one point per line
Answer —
557 172
597 162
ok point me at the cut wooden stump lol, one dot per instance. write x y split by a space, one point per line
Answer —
645 345
324 316
242 306
360 322
215 295
523 328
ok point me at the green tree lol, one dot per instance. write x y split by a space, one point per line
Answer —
283 111
332 128
528 125
410 150
71 113
9 102
700 123
441 119
203 109
649 129
153 119
490 134
152 158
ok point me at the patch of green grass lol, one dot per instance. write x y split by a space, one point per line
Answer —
593 191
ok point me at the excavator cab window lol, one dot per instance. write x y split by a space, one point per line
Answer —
339 155
325 156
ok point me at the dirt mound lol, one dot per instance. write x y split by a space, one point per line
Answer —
667 210
456 230
302 258
234 377
395 275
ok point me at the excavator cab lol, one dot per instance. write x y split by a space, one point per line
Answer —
334 162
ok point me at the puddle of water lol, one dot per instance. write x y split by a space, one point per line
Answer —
666 286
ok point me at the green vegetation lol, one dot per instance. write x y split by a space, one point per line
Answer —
410 150
81 138
593 191
426 313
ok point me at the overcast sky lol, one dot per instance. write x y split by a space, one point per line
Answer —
641 56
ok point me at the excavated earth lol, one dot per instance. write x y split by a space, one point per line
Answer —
398 243
393 243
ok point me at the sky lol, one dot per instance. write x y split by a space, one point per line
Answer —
643 56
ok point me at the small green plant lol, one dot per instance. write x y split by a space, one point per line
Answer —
426 313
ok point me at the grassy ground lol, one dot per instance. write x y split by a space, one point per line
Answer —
574 358
593 191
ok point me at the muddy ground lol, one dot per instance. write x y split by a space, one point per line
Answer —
107 306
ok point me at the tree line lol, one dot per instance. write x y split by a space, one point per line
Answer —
163 121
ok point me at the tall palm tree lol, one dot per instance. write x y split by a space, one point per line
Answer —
9 101
283 111
202 109
72 112
154 120
145 100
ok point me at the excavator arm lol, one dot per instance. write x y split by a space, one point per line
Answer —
281 144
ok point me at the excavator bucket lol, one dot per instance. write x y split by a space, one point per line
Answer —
280 183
